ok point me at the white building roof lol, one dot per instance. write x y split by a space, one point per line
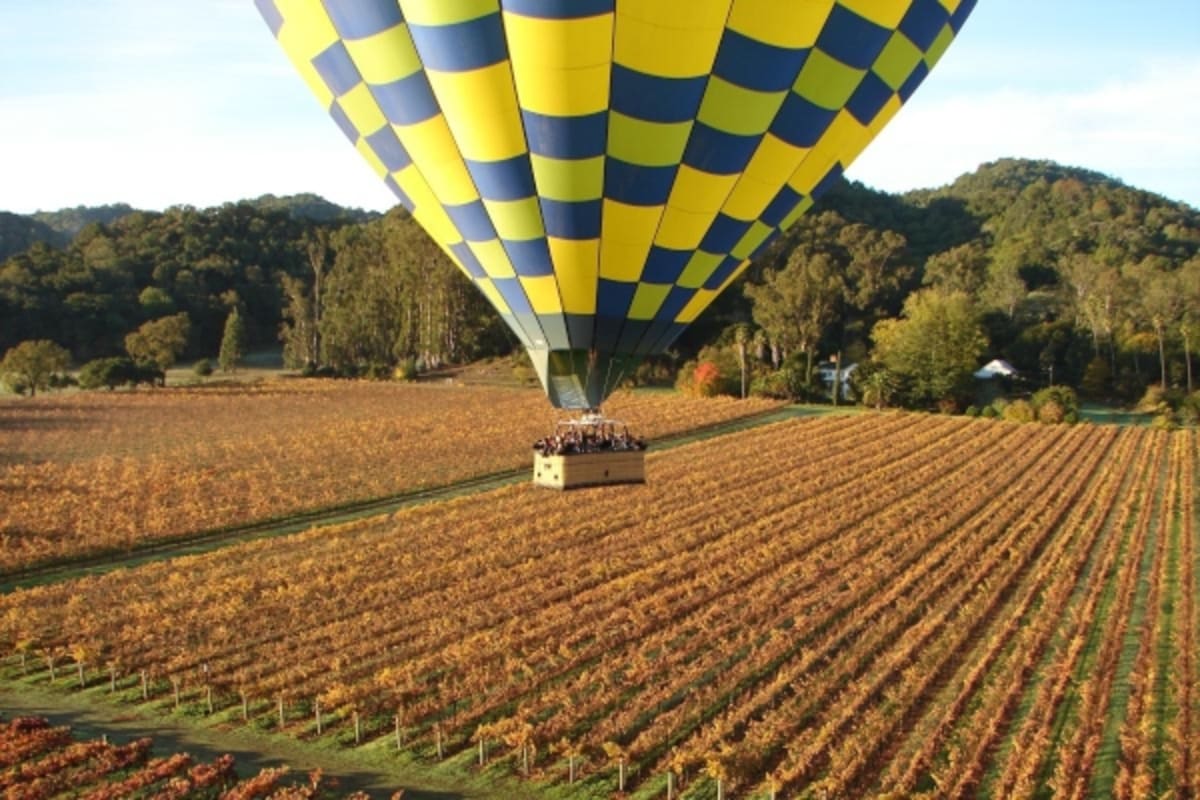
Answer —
997 367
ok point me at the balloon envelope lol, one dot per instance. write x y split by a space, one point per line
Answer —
603 169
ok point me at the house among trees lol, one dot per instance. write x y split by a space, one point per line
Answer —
828 373
994 380
996 368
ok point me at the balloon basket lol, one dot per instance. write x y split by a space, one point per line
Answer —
589 469
591 451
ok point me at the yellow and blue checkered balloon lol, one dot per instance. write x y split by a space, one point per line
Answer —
602 169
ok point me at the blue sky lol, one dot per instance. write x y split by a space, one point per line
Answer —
161 102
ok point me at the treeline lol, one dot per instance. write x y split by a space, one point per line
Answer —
383 293
1070 276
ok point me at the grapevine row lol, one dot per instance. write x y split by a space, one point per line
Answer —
892 605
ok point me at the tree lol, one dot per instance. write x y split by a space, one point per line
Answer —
107 372
874 384
741 340
1189 322
935 347
159 341
871 264
963 268
391 295
31 364
301 330
233 342
155 302
1004 288
794 304
1159 303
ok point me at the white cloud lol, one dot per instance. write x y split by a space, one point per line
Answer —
159 103
155 148
162 107
1140 129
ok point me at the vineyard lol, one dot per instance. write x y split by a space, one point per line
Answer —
890 605
38 761
97 472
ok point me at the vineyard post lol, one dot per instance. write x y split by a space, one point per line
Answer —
357 728
24 668
525 758
208 699
145 687
281 720
112 679
245 706
317 712
399 741
437 732
670 785
50 662
621 775
482 755
79 669
175 686
571 768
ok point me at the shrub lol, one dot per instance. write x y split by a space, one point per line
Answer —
724 376
114 372
706 379
1061 401
1051 413
406 370
971 411
149 374
784 383
1018 411
1097 378
1164 422
522 367
1188 412
652 372
203 368
376 371
324 371
989 412
107 372
1154 401
683 378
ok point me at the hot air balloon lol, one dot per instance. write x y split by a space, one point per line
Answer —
603 169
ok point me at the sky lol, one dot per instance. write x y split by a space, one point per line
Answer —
157 103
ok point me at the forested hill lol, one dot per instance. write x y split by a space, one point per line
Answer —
312 207
19 232
1037 212
70 221
1062 265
